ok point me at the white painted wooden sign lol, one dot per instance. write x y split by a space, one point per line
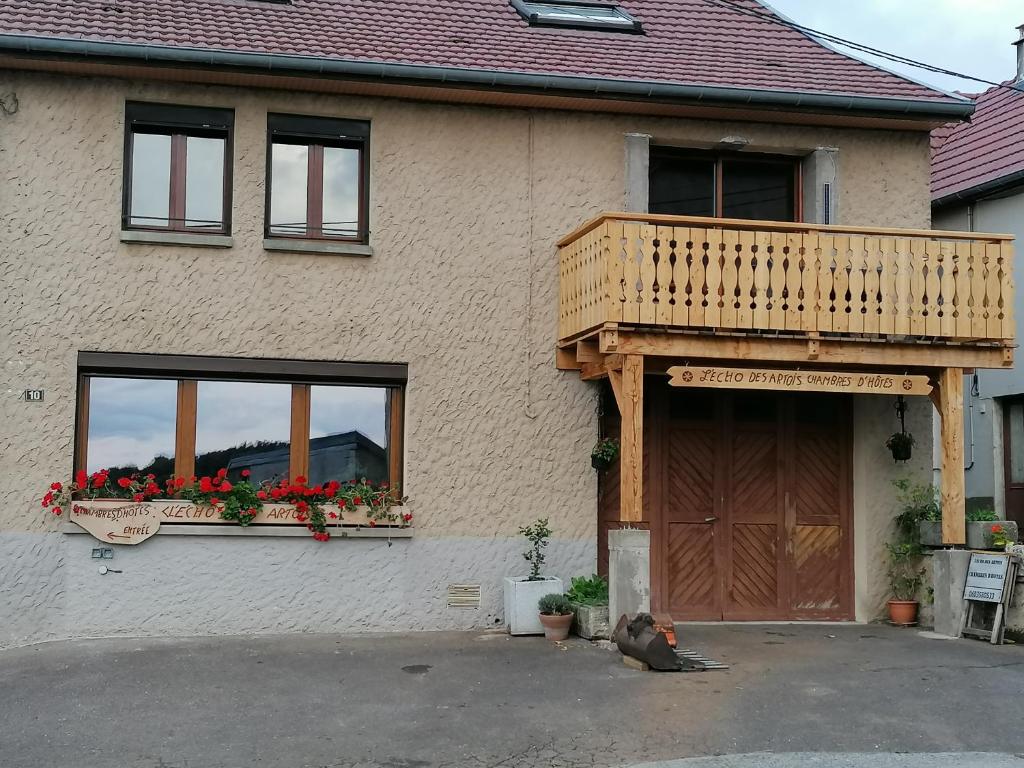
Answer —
799 381
986 577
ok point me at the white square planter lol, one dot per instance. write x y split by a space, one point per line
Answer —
521 597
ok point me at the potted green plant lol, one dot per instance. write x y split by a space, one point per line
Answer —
589 600
523 592
604 454
555 616
901 445
905 578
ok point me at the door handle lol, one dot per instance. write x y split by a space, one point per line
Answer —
710 519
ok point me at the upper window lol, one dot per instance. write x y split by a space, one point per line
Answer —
317 178
567 13
737 186
177 168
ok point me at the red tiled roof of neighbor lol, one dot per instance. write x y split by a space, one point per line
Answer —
991 146
692 42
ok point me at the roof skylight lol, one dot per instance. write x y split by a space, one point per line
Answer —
579 15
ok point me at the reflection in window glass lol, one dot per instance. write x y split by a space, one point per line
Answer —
204 182
243 425
151 180
289 171
1016 416
758 190
131 427
681 185
348 429
341 192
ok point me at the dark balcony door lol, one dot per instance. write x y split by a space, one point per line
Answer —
737 185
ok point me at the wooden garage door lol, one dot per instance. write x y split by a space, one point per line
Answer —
750 506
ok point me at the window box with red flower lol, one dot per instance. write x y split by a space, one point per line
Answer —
331 508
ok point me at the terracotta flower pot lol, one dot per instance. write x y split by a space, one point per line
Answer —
903 612
556 627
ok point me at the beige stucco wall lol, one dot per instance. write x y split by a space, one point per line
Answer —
466 204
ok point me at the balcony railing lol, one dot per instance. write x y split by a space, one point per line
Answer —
737 275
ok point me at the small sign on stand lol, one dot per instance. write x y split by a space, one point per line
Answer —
990 580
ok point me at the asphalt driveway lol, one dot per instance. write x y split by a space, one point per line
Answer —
460 699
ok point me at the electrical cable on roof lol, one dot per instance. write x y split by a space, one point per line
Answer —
896 58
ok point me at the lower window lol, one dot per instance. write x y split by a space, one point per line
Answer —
265 420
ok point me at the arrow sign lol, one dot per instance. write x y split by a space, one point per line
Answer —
116 520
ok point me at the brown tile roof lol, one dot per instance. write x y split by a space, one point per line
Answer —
983 151
694 42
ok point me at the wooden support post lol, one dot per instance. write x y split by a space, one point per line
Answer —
950 404
631 443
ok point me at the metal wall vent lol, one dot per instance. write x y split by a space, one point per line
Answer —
463 595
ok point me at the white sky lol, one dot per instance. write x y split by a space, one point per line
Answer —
969 36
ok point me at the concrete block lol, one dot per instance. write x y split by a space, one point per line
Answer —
949 573
629 572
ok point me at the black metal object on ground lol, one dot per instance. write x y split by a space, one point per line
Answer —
638 638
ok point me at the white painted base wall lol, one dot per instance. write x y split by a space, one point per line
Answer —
50 587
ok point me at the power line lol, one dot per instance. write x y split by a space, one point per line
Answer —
896 58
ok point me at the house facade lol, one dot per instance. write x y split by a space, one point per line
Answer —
976 185
237 247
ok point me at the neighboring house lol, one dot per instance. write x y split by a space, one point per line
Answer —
978 185
234 222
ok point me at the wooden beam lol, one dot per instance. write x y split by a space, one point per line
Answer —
615 379
631 442
298 460
82 426
565 359
683 346
587 351
185 434
951 413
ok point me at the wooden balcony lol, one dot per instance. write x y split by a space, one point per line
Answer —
651 273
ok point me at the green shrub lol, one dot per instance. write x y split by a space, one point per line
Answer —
981 516
588 591
554 605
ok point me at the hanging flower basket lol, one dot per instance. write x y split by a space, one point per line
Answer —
901 445
604 454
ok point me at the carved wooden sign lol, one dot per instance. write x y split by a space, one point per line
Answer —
117 521
799 381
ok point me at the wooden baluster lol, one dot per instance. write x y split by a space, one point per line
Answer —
857 286
887 280
649 255
976 302
933 288
695 282
961 289
713 272
1006 289
993 292
730 239
776 280
668 256
947 289
901 325
826 262
615 259
916 303
841 285
873 262
761 300
745 280
810 317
